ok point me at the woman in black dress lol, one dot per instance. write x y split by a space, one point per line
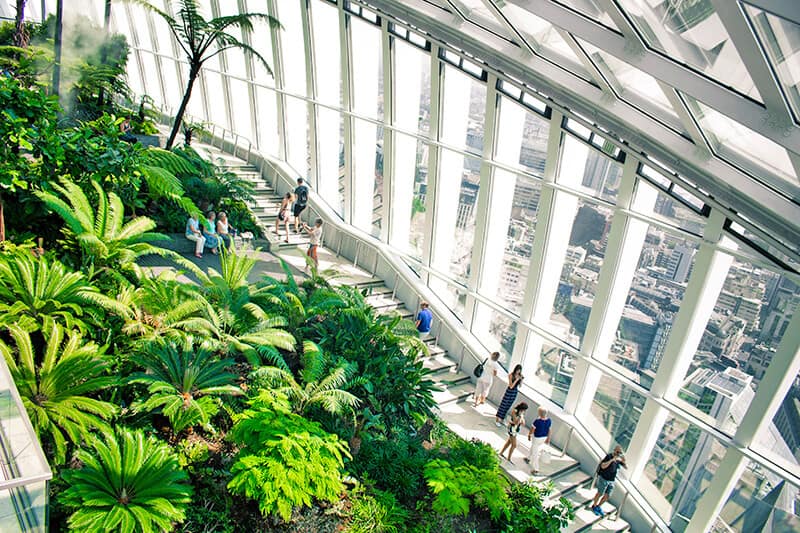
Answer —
514 379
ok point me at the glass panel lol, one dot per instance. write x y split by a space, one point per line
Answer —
378 201
173 88
297 134
580 272
593 11
783 443
502 331
292 47
547 369
453 296
267 121
463 113
601 175
781 39
691 32
327 60
330 158
151 77
679 470
416 234
412 79
637 87
736 347
261 41
462 214
161 34
234 58
215 98
617 409
241 113
741 145
670 210
535 131
367 69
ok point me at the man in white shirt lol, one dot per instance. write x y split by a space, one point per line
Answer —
484 384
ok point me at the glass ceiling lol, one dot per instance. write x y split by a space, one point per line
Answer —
723 74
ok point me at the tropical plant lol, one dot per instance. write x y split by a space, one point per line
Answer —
318 390
106 244
456 488
184 380
55 386
35 289
285 459
238 316
202 39
530 512
128 482
376 511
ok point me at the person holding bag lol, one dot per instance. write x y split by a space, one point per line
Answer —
485 372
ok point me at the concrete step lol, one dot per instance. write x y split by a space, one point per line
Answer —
373 282
450 378
585 518
569 481
383 301
402 311
453 394
377 291
435 350
439 363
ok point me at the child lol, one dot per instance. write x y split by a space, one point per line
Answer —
315 237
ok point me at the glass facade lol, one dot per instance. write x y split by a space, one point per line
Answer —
616 278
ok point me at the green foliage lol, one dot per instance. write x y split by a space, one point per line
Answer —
129 483
376 511
56 385
456 488
285 460
184 380
33 290
530 514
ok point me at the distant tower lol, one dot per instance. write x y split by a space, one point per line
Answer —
679 263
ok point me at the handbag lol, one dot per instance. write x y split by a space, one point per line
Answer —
478 370
546 455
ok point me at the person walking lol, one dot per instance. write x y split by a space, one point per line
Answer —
314 238
606 475
300 202
484 383
283 215
514 379
193 233
540 431
516 421
424 319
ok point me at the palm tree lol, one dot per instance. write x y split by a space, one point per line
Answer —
55 392
184 380
21 36
203 39
128 482
237 311
325 391
32 290
106 243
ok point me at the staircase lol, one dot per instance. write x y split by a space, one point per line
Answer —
569 480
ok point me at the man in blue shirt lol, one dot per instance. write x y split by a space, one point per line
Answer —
424 319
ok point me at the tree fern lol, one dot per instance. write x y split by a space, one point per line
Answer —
128 483
56 392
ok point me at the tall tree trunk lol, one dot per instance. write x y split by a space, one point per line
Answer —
21 36
2 221
57 61
194 70
101 94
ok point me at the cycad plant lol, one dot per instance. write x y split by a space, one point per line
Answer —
34 289
202 39
128 483
57 392
184 379
318 389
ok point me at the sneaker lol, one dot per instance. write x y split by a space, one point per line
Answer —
498 424
596 510
600 512
527 461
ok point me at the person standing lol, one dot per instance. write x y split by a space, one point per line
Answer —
283 215
424 319
484 383
314 238
516 421
540 431
300 202
514 379
193 233
606 475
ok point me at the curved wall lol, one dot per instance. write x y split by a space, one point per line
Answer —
643 313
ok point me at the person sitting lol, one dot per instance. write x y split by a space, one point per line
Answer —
193 233
224 229
210 232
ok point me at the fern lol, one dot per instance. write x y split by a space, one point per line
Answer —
456 488
285 460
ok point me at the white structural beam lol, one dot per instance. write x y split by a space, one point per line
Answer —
278 72
746 43
387 218
786 9
706 90
311 91
497 13
347 105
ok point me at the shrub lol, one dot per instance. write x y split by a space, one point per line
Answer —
377 512
285 459
531 514
455 488
128 482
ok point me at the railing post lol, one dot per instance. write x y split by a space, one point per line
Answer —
396 281
618 513
222 141
375 266
249 149
355 259
461 359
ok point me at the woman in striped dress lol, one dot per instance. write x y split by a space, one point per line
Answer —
514 379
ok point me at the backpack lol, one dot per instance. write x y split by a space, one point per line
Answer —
478 370
302 195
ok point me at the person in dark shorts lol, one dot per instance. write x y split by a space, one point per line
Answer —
300 202
606 475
